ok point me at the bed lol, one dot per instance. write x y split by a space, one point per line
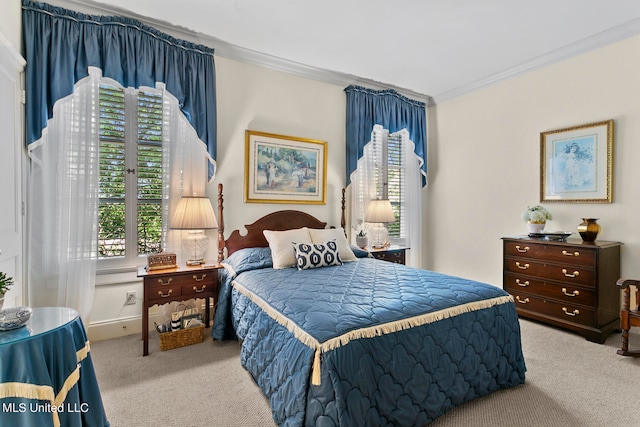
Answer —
360 341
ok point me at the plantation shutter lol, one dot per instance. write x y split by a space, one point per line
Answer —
130 181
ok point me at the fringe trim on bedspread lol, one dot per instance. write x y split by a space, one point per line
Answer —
369 332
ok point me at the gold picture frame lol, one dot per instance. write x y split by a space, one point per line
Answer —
284 169
576 164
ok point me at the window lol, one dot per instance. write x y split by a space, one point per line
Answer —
130 178
382 175
389 177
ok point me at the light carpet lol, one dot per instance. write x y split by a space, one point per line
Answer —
569 382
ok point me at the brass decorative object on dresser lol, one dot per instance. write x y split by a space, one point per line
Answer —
177 284
392 253
570 284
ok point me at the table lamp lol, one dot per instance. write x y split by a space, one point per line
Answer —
379 212
194 214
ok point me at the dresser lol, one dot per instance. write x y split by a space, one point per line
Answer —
570 284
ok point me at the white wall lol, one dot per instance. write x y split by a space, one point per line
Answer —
11 22
484 159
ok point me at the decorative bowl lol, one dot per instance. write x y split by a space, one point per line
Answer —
552 235
14 318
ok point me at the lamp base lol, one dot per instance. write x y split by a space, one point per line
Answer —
195 244
379 235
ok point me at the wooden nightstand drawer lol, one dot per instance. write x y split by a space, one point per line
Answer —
157 293
391 256
393 253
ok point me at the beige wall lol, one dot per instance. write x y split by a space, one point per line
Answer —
256 98
485 160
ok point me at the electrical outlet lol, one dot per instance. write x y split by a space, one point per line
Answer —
130 299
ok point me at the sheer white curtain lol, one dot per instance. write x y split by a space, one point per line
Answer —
185 167
63 193
363 189
63 203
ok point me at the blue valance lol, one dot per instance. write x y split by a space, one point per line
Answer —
61 45
367 107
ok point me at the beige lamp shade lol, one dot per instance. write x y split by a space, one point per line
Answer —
379 211
193 213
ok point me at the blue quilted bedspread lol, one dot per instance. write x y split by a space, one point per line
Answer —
368 343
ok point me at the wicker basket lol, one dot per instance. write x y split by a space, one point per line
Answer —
181 338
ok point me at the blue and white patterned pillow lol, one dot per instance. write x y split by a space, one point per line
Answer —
316 255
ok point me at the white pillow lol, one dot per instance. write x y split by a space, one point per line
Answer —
337 234
280 242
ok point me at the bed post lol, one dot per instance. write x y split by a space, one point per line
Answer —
343 221
220 225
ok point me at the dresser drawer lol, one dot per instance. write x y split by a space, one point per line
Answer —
574 255
571 274
524 249
558 310
560 292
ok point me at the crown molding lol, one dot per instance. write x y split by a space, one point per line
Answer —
596 41
230 51
237 53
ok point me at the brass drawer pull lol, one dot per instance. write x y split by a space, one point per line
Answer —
570 254
573 313
200 279
200 290
522 267
163 283
524 301
524 284
526 249
167 295
573 294
574 274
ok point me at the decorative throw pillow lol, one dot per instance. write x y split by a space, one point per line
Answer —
317 255
337 234
282 253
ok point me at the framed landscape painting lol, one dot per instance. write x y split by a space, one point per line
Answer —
284 169
576 164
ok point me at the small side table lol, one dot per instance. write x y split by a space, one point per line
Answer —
46 365
392 253
177 284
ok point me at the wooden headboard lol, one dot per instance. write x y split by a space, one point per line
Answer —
278 221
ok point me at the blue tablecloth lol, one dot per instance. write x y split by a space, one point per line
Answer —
46 373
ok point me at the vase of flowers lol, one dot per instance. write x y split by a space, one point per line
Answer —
5 283
536 218
361 239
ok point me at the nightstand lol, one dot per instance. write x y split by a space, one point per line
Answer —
177 284
392 253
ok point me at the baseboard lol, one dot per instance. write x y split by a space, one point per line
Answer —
106 330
